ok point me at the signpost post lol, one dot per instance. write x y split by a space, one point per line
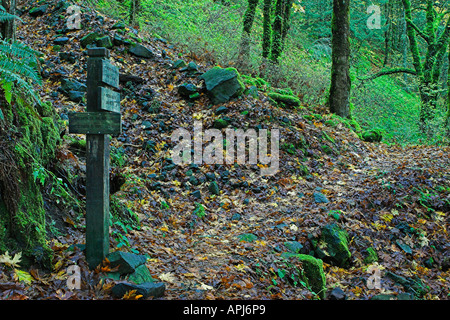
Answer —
101 120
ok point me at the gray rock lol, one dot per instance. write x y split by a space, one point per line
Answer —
293 246
141 52
221 110
68 85
332 246
187 89
90 38
337 294
104 41
127 262
76 96
38 11
141 275
179 64
222 84
146 289
214 188
61 40
320 198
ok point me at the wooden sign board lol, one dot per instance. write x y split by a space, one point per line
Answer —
95 123
109 74
109 100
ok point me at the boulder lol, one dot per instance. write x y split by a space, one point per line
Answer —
127 262
61 40
141 52
68 85
141 275
373 135
222 84
38 11
332 246
90 38
313 273
187 89
104 41
146 289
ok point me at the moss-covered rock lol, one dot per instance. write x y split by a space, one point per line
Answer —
223 84
332 246
374 135
89 39
370 256
285 100
22 214
312 272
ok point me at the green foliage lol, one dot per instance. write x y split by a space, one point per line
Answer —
5 16
199 210
18 70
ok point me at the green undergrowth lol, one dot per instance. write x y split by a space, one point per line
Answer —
29 137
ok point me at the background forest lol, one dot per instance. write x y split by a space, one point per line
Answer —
390 103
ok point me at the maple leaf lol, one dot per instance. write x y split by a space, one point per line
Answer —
131 295
10 261
205 286
24 276
168 277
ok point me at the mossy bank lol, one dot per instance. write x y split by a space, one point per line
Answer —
29 137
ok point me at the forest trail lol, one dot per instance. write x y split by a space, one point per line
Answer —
392 199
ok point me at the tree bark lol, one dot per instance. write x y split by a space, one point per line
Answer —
249 17
8 28
339 98
267 28
134 8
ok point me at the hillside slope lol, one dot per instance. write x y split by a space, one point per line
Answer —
230 241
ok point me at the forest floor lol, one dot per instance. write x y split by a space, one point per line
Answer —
391 198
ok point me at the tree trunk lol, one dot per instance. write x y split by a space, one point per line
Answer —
447 119
249 17
8 28
339 98
276 31
267 28
280 28
134 8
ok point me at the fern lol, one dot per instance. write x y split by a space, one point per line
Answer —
5 16
18 66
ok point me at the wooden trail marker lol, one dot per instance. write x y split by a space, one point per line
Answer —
101 119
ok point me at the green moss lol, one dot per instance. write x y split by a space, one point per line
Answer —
371 256
257 82
121 213
313 274
374 135
332 246
284 99
37 137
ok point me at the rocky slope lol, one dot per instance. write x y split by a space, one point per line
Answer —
338 209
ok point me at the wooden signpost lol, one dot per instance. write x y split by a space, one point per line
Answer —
101 120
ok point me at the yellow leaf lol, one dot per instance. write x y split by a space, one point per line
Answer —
205 286
24 276
131 295
168 277
242 267
10 261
